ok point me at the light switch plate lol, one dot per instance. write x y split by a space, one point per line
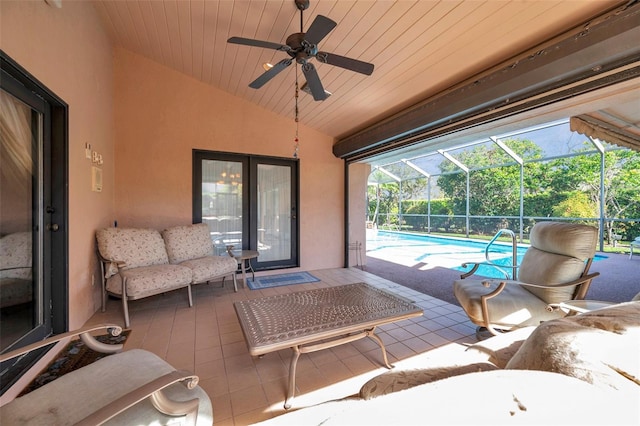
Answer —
96 179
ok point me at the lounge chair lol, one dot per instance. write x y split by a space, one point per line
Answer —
554 269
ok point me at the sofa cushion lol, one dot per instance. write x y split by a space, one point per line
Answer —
210 267
394 381
15 291
15 256
487 398
500 349
149 280
134 246
187 242
601 347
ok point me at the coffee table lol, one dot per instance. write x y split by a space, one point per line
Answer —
312 320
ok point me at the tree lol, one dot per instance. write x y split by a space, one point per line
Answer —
386 198
494 181
621 183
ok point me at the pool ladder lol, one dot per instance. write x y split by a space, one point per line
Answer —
514 259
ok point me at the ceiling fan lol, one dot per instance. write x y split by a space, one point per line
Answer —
303 47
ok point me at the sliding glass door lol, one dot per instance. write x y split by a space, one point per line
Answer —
33 217
249 202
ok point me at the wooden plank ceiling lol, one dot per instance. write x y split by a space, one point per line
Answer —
419 47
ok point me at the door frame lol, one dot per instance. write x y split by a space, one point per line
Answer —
14 79
249 192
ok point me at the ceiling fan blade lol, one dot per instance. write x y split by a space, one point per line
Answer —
265 77
313 81
258 43
344 62
320 27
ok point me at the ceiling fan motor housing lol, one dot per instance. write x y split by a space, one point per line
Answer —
302 47
301 50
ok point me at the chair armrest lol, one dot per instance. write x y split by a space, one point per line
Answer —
580 280
151 390
503 284
84 334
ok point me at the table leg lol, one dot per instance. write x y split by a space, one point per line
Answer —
371 333
292 377
244 272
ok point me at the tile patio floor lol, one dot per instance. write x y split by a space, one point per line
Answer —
207 340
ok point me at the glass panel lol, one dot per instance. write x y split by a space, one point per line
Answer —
222 202
20 201
553 139
274 212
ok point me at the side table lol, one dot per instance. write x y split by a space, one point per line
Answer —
243 257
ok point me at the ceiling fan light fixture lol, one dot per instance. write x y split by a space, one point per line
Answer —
305 88
267 66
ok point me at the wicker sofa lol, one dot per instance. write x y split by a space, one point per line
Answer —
582 369
138 263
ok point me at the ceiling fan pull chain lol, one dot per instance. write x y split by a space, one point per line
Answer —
296 141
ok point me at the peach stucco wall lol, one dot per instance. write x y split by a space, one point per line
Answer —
145 119
68 51
162 115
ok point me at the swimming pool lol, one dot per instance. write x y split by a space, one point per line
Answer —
427 251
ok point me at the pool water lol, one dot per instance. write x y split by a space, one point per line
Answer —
434 251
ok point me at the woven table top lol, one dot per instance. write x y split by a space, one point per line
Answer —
287 320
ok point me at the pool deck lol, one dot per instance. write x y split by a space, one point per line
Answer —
427 268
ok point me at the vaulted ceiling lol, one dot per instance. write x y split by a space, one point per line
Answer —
419 47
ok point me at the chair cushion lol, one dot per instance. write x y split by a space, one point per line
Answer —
569 239
557 255
135 246
210 267
601 347
515 307
149 280
75 395
187 242
541 267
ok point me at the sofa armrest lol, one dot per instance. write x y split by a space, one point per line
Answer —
84 334
152 390
110 267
